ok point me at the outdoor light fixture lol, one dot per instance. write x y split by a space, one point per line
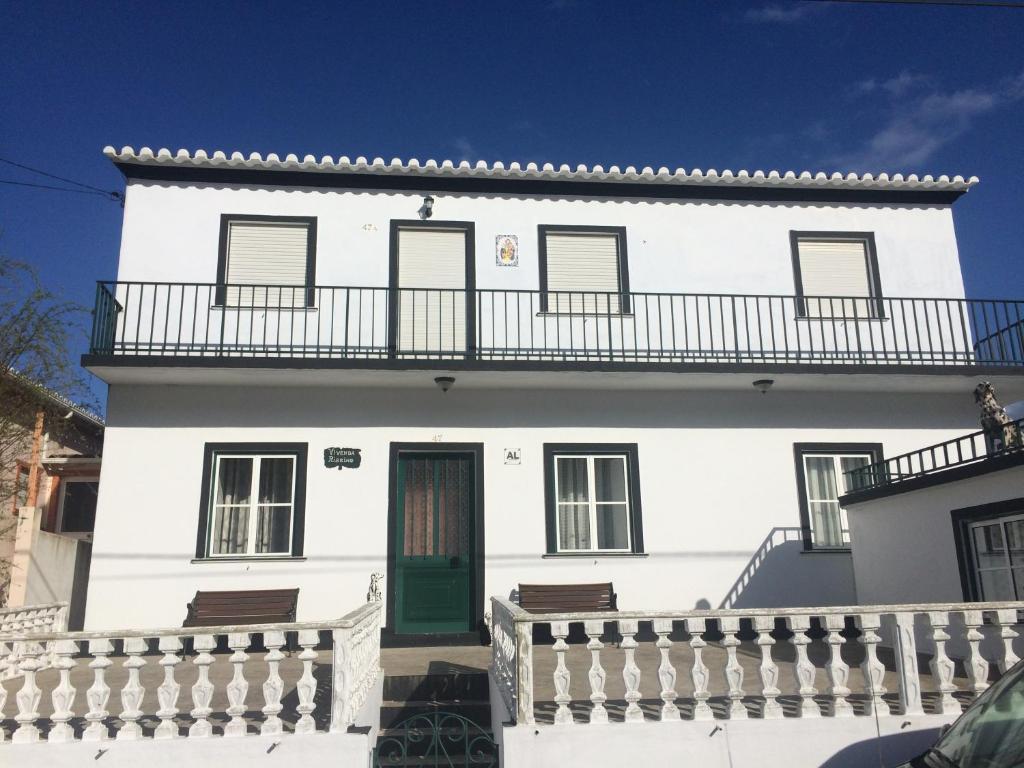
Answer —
763 385
444 382
427 209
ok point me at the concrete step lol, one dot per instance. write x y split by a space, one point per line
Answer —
393 713
450 686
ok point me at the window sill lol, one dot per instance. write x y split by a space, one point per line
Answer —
586 314
577 555
827 551
248 559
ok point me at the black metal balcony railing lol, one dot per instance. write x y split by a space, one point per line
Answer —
206 320
958 452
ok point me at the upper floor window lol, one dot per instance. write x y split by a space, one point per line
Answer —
821 476
254 499
77 507
583 269
266 261
836 275
593 498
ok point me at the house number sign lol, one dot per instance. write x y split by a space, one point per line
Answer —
342 457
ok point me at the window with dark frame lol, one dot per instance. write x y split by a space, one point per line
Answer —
836 275
583 269
821 479
990 549
77 512
253 502
592 499
266 261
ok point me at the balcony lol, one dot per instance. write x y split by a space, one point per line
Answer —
217 325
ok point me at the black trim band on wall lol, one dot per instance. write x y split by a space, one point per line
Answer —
871 265
630 450
961 518
222 250
299 450
543 230
469 230
534 187
477 451
874 450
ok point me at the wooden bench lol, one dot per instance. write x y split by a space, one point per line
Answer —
567 598
254 606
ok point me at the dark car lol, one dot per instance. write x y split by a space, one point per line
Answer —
990 734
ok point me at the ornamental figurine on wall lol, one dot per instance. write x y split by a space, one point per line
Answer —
506 248
1000 430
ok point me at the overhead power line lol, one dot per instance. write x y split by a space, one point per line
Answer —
86 189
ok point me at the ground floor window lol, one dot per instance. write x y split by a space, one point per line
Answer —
253 500
991 550
593 499
77 506
821 479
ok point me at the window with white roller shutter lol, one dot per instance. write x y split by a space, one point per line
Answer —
833 273
273 256
584 270
432 290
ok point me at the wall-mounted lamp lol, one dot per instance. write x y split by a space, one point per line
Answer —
763 385
445 382
427 209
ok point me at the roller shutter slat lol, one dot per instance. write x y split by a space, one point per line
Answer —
580 263
270 255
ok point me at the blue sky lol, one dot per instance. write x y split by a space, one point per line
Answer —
693 84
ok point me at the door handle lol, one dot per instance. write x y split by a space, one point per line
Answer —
454 562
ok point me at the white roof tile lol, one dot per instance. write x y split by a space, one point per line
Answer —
515 170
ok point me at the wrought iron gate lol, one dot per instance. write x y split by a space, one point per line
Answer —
436 740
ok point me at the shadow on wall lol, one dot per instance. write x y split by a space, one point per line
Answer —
886 751
781 574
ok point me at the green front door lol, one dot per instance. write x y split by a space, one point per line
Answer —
434 535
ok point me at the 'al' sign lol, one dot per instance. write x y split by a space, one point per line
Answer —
342 457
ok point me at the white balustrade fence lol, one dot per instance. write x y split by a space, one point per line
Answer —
16 622
632 666
198 683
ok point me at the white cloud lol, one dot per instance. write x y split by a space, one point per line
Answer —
464 149
894 86
777 13
914 129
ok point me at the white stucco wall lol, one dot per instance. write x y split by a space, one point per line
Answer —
717 476
171 234
904 551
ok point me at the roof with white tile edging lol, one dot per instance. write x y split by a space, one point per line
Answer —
412 167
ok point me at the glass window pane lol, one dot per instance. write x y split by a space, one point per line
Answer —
572 479
989 549
610 478
229 532
996 585
821 478
826 526
276 480
78 514
234 480
1015 541
574 526
612 526
273 525
847 463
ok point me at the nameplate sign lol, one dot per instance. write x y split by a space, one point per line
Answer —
342 457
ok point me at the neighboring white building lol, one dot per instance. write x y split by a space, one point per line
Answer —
276 334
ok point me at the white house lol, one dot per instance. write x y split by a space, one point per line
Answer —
470 377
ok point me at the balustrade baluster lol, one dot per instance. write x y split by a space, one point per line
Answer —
838 670
132 693
941 665
306 686
804 669
597 675
769 669
274 686
524 672
700 674
1006 619
28 695
977 666
167 692
872 669
563 715
238 688
906 665
63 695
666 672
630 671
202 689
99 692
733 670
